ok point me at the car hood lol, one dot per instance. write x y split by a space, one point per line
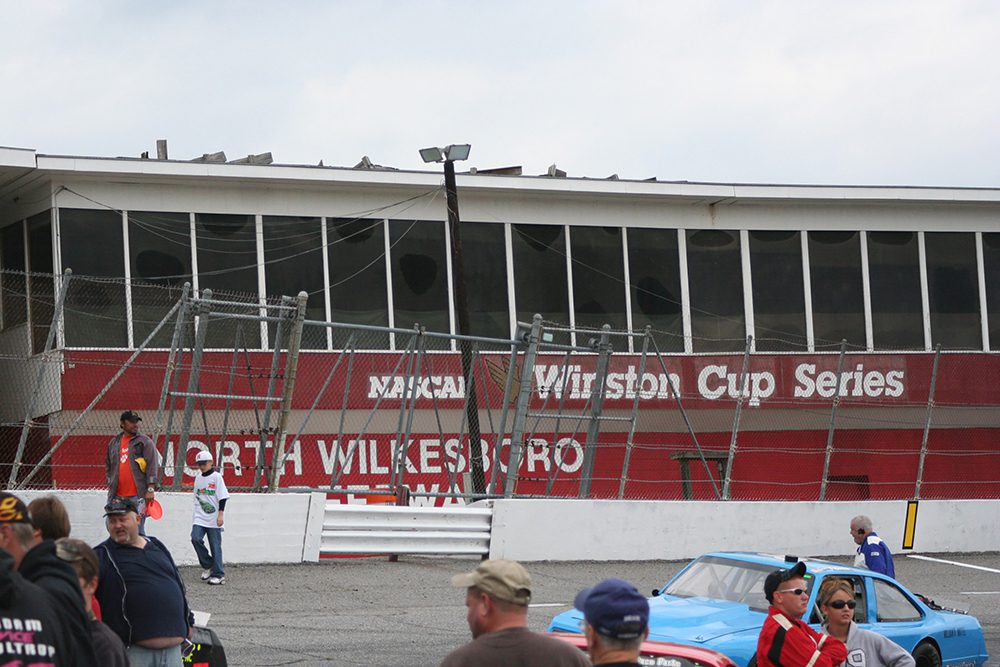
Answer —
699 620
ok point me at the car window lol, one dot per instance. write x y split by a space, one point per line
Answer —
723 579
860 612
891 604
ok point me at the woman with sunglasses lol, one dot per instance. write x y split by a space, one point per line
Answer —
864 647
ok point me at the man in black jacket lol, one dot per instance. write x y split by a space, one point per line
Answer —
35 559
34 639
140 591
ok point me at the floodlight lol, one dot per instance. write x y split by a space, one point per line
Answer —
457 151
434 154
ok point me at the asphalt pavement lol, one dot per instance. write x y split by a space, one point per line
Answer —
368 611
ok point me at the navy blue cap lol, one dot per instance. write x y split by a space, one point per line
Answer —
614 608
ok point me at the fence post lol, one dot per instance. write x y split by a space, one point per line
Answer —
597 391
508 389
833 420
521 409
37 389
635 413
265 428
201 311
403 437
927 423
287 387
736 419
171 367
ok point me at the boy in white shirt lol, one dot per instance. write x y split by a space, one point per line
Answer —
210 497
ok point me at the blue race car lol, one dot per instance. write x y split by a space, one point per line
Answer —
718 602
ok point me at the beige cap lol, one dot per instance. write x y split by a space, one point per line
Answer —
503 579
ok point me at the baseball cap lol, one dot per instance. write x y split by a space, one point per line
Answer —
614 608
503 579
779 577
202 456
130 416
13 509
120 506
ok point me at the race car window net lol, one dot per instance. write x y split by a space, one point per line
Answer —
724 579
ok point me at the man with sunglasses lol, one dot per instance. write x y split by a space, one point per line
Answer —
785 641
872 551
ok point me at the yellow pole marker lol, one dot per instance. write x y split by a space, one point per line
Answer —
910 529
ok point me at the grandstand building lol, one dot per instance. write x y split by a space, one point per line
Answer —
904 280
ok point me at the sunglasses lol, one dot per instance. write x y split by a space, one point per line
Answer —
840 604
794 591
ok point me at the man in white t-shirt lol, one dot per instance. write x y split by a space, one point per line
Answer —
210 497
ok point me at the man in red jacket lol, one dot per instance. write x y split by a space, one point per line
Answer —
785 641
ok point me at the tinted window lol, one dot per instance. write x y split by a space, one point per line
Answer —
897 307
724 579
293 263
227 264
419 276
160 257
655 281
598 277
715 276
485 258
92 245
358 292
13 286
779 310
953 290
837 287
540 274
892 605
40 288
991 257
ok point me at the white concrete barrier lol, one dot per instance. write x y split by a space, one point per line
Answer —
289 528
531 530
260 527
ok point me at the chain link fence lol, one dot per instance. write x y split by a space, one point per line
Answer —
286 403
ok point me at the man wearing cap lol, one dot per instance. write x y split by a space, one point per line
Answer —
497 596
36 560
131 465
140 591
616 619
785 641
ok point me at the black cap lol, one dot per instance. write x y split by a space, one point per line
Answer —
13 509
120 506
130 416
779 577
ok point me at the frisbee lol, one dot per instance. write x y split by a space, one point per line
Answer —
154 509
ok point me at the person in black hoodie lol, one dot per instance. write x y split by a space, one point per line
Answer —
34 639
35 559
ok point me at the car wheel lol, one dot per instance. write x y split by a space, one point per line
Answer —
926 655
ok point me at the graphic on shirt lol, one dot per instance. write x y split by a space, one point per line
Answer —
19 640
856 658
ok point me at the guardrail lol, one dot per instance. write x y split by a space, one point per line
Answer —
386 529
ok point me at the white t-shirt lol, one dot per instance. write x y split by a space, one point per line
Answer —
208 491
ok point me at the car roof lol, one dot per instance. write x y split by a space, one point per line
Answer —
814 565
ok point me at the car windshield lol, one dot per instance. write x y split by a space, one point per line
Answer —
723 579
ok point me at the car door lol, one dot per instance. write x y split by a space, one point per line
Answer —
893 612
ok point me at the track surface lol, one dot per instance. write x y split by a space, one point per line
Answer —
367 611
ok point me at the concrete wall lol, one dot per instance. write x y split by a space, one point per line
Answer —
286 528
610 530
261 528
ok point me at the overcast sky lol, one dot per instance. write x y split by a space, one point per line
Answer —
886 92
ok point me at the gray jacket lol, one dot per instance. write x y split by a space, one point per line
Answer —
870 649
140 446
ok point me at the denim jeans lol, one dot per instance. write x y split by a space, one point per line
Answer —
211 558
139 656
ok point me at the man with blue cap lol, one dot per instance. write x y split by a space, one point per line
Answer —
616 624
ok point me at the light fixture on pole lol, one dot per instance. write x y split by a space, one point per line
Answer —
448 155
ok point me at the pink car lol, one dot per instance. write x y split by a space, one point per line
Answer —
662 654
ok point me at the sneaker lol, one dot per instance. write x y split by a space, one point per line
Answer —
205 574
216 581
